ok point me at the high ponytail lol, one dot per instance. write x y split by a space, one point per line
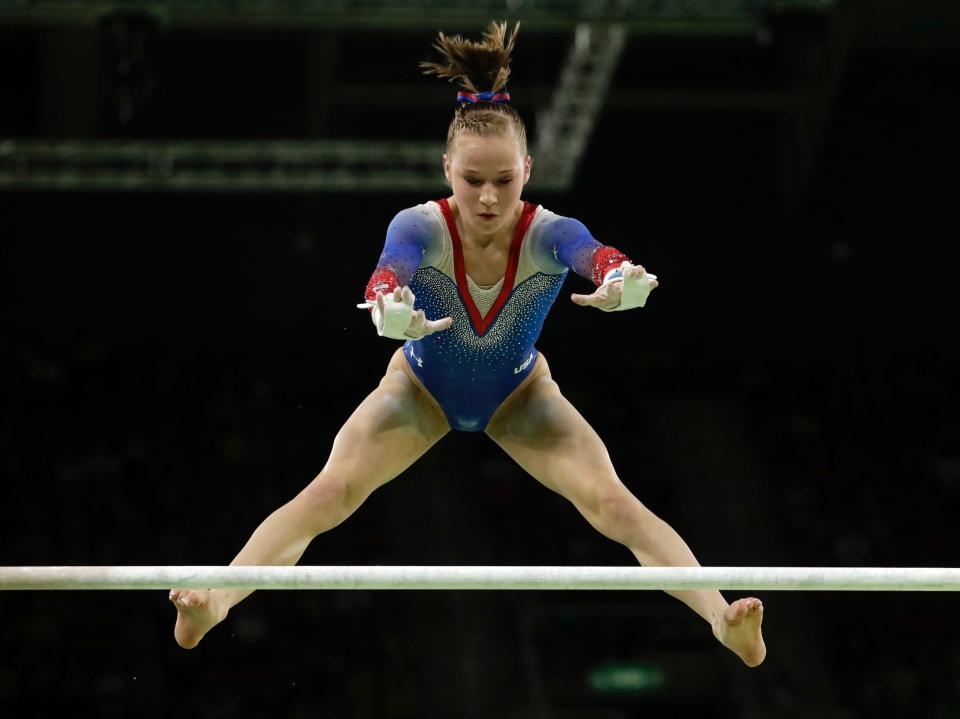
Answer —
482 69
477 66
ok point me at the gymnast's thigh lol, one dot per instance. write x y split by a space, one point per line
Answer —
546 435
390 429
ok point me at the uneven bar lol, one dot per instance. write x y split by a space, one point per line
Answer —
878 579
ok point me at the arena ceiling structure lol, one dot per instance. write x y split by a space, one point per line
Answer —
98 62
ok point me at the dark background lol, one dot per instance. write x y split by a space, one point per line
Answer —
173 366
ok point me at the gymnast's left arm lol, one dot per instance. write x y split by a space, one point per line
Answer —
621 285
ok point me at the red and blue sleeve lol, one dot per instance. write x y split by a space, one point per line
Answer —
409 237
572 245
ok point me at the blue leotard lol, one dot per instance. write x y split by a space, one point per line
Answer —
473 366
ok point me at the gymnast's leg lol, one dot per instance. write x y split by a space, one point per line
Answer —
550 439
387 433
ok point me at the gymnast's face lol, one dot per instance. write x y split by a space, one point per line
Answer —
487 175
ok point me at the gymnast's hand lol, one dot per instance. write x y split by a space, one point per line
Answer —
393 316
620 291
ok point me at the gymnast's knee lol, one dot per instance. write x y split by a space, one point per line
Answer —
331 497
617 514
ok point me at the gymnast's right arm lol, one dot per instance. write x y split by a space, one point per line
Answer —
410 236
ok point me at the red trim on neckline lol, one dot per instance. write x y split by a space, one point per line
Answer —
482 324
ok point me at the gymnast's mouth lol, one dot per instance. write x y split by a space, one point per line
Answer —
487 215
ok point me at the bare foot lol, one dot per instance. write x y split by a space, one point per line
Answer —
197 614
739 630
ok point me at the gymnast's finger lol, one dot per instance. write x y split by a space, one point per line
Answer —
418 321
407 295
432 326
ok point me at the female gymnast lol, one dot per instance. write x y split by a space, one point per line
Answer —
482 268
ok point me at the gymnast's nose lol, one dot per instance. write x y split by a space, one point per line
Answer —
488 196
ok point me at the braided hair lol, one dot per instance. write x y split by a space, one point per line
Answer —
482 70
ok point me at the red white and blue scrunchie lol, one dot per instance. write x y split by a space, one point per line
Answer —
500 96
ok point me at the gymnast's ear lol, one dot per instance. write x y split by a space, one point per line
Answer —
446 168
527 165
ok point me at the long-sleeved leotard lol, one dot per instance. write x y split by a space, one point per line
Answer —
473 366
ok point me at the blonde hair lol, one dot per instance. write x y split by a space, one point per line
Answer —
479 67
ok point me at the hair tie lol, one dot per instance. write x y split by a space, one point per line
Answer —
464 97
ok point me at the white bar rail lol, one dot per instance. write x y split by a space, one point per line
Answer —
881 579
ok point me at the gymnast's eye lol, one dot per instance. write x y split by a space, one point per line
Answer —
472 181
505 181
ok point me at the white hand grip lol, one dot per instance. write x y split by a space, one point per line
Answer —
634 291
394 319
